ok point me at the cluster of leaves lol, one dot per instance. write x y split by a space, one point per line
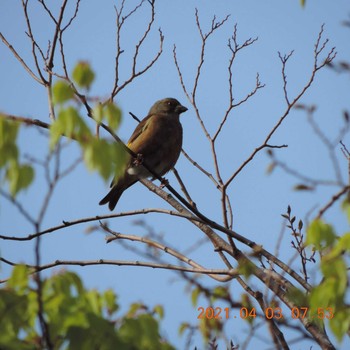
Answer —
327 301
70 123
331 292
18 175
97 153
77 318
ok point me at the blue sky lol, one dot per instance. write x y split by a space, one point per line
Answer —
257 199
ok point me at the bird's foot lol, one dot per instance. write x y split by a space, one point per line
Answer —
138 160
164 182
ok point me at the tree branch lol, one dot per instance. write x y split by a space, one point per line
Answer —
166 249
37 269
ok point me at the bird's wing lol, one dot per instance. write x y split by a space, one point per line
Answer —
140 133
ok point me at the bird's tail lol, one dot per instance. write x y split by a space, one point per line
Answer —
112 197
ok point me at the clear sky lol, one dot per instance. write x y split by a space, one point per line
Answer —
257 199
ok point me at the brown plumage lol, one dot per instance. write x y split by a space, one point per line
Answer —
158 139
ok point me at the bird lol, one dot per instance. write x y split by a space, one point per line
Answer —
157 141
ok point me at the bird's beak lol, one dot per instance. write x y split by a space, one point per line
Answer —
181 109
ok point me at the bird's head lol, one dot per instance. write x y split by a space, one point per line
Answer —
168 105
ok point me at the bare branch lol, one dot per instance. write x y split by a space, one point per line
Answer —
20 59
183 188
42 2
49 63
235 48
34 43
204 37
276 334
168 250
217 241
284 59
258 86
19 206
37 269
180 74
331 55
334 199
214 25
318 50
97 218
310 181
298 242
27 121
134 72
200 168
73 16
328 144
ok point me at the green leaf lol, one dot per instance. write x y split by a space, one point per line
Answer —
344 242
110 301
19 177
346 208
97 113
94 301
8 136
13 310
330 294
134 309
141 332
302 3
62 92
342 246
26 176
83 75
114 115
8 131
183 327
158 309
110 111
194 295
340 323
108 158
70 124
335 273
320 234
9 152
19 278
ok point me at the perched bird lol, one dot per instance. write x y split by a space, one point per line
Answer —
157 139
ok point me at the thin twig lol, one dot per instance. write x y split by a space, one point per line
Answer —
19 206
120 20
317 66
96 218
166 249
37 269
334 199
34 43
21 61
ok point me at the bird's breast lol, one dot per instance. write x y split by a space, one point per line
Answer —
162 149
